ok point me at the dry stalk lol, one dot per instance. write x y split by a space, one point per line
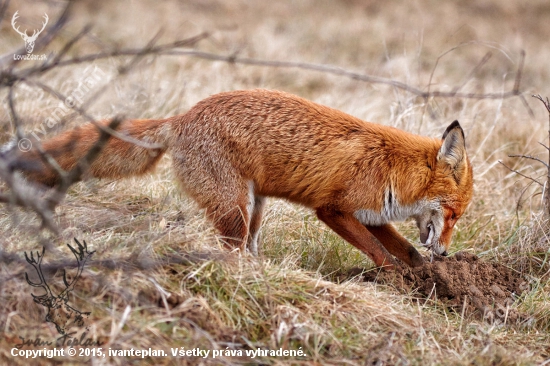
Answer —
546 185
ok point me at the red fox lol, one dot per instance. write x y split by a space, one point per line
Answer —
233 149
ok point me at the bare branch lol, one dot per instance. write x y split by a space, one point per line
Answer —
82 166
168 49
25 195
143 52
67 47
523 175
519 72
160 49
530 157
49 160
545 102
546 188
13 114
526 105
328 69
455 90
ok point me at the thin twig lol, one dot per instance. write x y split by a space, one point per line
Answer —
13 114
93 121
526 105
67 47
519 72
82 166
546 188
145 51
530 157
160 49
545 102
481 63
455 90
519 204
519 173
25 195
50 161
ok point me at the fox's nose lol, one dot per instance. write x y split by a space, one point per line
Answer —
445 254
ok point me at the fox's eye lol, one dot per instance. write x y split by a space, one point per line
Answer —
453 216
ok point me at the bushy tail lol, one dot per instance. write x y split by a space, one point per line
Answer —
117 159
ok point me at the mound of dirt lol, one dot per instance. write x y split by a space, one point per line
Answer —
485 288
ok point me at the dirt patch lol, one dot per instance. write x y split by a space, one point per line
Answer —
463 282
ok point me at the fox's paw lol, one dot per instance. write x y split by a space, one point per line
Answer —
415 258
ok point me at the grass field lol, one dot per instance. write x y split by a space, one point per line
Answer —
159 277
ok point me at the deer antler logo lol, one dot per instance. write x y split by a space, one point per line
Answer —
59 312
29 41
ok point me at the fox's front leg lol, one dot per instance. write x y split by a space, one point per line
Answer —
351 230
396 244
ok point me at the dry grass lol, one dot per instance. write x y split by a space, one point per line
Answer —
160 278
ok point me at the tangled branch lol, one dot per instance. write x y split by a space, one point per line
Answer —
546 185
25 194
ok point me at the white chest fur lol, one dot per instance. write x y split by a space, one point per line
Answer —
392 211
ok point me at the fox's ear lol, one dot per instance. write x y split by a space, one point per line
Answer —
453 149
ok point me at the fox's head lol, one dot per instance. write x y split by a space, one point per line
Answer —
449 192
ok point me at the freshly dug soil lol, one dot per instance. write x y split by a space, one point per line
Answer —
463 282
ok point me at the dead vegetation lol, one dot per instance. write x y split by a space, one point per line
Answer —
158 277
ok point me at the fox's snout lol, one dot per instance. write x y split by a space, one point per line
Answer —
435 230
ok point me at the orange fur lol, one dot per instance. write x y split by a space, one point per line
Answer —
232 149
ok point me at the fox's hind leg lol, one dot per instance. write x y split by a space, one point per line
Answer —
231 220
219 189
255 223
